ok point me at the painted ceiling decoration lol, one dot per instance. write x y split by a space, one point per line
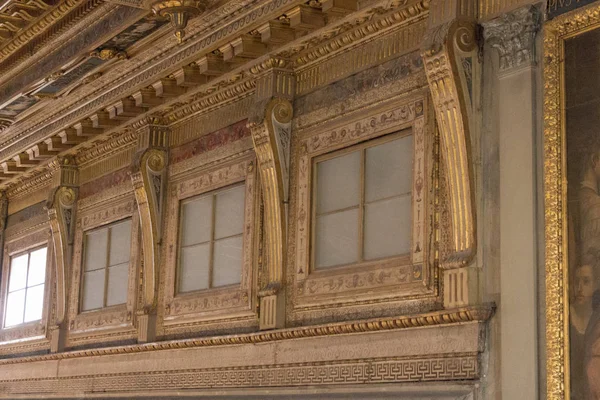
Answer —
79 72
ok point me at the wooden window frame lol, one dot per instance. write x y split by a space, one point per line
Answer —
106 265
34 333
8 292
211 241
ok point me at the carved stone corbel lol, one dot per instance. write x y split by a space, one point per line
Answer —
149 176
61 206
270 124
448 53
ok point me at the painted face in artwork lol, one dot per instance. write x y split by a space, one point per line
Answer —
584 284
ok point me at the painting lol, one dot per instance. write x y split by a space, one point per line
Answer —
582 112
572 203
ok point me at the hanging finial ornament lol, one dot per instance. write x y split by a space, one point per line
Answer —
178 12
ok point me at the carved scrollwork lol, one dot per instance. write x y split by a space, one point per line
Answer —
271 133
148 178
61 212
444 50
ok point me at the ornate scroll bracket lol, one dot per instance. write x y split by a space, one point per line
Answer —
270 125
149 176
62 205
513 35
446 50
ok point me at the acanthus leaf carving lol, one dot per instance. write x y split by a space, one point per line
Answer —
513 35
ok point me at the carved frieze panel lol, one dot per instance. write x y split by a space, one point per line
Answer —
398 278
111 323
35 333
190 311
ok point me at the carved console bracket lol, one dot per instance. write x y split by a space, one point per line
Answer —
513 35
61 205
448 53
270 124
149 176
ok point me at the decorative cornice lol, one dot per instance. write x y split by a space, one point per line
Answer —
436 318
513 35
105 148
52 24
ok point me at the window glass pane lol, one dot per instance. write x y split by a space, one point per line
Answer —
227 269
37 267
18 273
93 290
387 228
196 221
194 267
118 276
229 219
34 303
338 183
388 169
337 239
120 243
15 304
96 243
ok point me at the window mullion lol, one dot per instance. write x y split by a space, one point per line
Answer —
212 242
26 286
106 264
361 208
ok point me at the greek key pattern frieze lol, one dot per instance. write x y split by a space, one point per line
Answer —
464 367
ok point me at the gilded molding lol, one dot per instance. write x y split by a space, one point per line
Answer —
513 35
443 49
219 307
271 134
149 175
557 333
437 318
61 207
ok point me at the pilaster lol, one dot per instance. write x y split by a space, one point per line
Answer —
62 207
270 123
449 52
513 37
149 178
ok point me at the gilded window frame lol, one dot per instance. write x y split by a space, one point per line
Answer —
556 31
368 282
214 305
115 322
36 330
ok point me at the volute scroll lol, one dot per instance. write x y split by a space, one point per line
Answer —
448 52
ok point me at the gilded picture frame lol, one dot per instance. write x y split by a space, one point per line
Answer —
556 32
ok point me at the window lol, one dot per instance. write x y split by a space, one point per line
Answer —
25 299
212 227
106 266
363 203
